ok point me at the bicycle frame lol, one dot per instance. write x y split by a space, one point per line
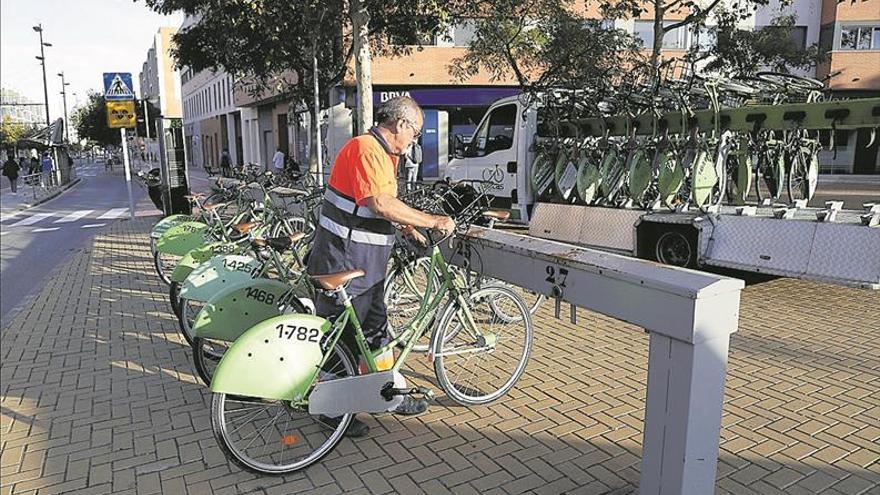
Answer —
412 332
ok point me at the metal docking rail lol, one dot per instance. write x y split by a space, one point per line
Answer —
689 316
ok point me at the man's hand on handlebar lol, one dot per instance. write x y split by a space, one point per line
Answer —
444 225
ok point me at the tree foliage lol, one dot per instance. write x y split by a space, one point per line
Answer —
11 131
90 122
268 43
544 44
743 52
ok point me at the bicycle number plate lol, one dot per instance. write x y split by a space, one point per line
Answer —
274 359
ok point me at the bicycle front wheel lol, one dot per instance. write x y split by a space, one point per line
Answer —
276 437
479 359
165 264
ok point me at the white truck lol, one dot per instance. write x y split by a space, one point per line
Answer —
830 244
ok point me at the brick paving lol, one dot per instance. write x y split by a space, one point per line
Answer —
99 396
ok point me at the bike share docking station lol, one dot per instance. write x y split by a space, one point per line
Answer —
825 244
689 316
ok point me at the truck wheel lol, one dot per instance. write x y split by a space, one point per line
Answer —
674 248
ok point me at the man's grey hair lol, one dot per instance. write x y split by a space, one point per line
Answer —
399 107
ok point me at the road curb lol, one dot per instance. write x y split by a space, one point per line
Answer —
55 194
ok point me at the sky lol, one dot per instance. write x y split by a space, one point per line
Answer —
89 37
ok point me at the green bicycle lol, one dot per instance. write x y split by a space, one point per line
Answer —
286 391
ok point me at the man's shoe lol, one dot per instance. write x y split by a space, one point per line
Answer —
411 407
356 428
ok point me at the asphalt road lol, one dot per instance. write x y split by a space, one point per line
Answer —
33 242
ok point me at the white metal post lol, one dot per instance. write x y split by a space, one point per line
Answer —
318 153
127 164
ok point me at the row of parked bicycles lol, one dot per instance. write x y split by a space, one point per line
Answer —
285 386
695 166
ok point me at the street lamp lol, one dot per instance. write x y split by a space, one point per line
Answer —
64 96
42 58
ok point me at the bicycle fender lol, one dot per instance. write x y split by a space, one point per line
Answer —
275 359
200 255
183 238
238 307
211 277
166 223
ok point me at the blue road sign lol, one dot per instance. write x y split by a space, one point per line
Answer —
117 86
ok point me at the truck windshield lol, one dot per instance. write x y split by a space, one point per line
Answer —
495 133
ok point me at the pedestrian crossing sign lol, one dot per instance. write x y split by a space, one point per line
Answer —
117 86
121 114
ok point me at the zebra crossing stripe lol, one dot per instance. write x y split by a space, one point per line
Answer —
49 229
73 216
114 213
31 219
93 225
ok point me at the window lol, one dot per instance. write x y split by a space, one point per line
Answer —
463 33
707 38
860 38
672 40
799 36
495 133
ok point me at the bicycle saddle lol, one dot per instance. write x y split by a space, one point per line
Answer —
287 192
497 215
280 244
213 206
193 196
244 228
333 281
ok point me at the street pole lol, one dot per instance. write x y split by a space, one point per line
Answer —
318 153
64 97
39 29
125 161
147 127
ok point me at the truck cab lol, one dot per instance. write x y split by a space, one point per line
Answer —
499 151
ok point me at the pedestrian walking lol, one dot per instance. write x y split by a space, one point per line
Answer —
413 162
46 166
225 164
10 170
34 167
278 161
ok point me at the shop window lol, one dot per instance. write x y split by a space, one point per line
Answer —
495 133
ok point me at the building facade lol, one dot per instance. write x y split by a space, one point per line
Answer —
453 108
159 83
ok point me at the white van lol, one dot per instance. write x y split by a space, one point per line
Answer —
500 150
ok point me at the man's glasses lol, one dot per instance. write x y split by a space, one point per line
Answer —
417 132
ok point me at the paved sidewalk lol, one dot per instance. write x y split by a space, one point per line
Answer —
98 396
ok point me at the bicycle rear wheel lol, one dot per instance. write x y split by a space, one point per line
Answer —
276 437
165 264
479 364
207 352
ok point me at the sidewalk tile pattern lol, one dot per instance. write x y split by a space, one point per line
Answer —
99 396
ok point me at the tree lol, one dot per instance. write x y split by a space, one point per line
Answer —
11 132
544 44
693 13
90 121
269 43
742 52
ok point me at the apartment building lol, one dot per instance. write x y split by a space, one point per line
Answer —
850 32
160 81
211 120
